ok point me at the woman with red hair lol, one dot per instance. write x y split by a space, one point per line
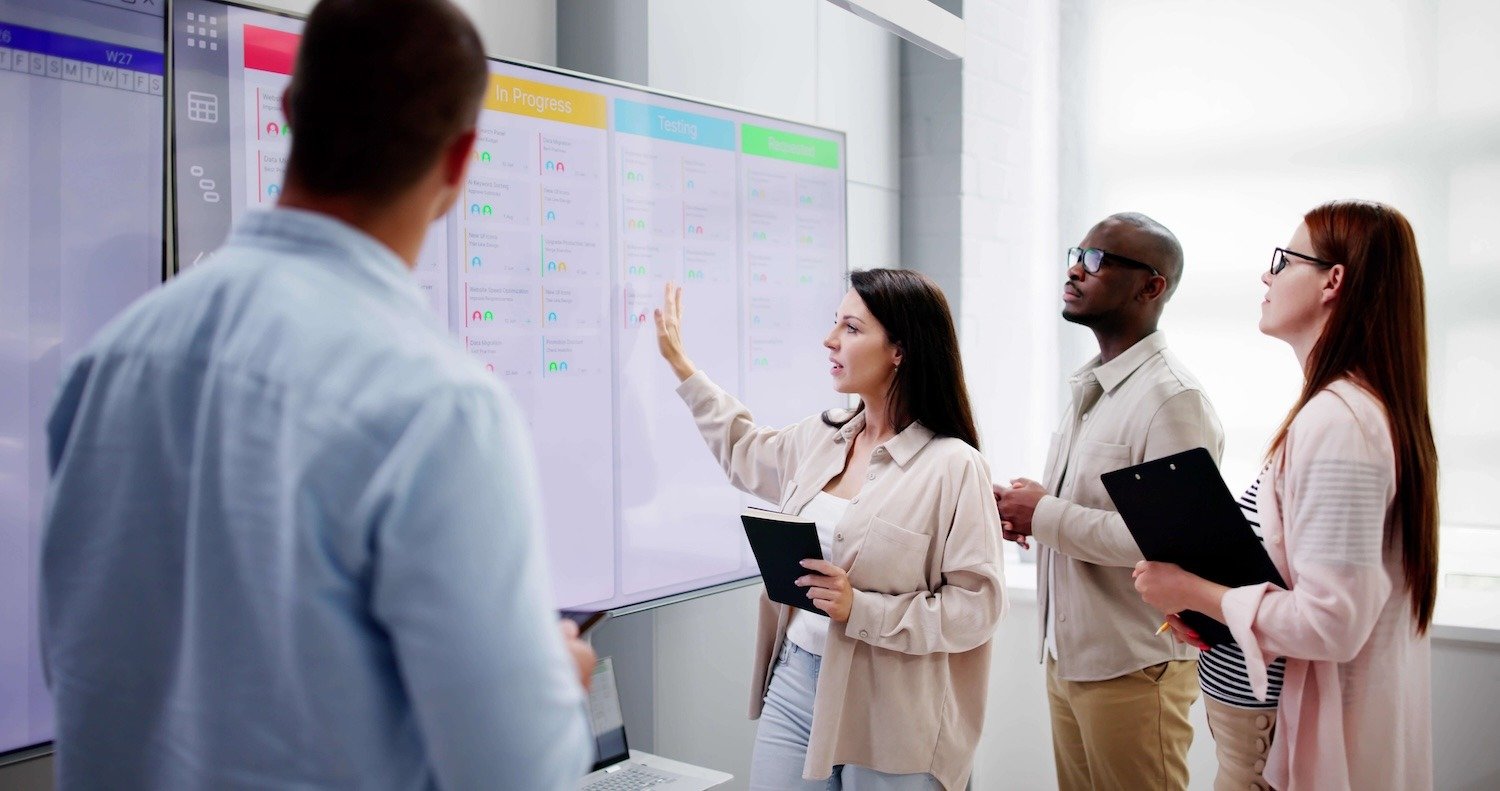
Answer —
1347 504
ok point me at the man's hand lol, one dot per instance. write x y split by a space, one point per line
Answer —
828 588
1017 503
1007 530
582 653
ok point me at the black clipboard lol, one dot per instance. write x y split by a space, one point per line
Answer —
780 543
1179 511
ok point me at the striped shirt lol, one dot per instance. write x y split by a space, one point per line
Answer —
1221 670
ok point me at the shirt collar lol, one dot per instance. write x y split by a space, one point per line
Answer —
323 236
1114 373
902 447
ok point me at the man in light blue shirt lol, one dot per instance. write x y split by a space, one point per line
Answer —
292 537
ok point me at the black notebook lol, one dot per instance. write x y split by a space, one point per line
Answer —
780 543
1179 511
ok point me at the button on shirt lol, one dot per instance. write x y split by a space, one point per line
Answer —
1141 405
291 540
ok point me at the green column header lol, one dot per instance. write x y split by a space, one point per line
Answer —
763 142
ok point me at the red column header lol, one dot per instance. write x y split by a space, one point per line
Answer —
270 50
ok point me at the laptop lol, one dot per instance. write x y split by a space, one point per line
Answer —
619 768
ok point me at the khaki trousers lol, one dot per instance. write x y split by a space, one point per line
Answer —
1242 737
1126 733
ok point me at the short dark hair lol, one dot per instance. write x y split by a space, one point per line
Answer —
380 88
929 384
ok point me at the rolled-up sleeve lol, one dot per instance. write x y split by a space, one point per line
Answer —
461 585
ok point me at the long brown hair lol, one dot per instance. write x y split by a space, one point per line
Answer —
1377 335
929 383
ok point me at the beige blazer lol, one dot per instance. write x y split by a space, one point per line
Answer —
1142 405
903 684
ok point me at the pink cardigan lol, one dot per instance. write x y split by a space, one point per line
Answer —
1355 708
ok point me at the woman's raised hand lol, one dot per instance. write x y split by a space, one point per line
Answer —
669 333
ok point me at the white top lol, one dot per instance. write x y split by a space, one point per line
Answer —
810 630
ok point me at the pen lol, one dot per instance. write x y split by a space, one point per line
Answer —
1165 625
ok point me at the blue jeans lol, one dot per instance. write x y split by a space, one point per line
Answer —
785 727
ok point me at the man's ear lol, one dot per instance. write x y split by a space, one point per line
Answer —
455 160
1333 284
1155 288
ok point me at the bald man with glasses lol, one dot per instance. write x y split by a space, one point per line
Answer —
1118 692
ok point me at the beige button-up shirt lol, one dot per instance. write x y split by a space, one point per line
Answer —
903 683
1140 406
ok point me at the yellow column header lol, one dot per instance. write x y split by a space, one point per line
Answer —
550 102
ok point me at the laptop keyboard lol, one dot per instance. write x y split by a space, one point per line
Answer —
630 778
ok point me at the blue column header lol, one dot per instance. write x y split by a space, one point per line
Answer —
677 126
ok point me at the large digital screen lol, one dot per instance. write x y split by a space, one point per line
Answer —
584 198
82 118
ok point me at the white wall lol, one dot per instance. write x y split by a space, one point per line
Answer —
979 213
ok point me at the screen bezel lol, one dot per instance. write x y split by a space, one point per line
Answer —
606 761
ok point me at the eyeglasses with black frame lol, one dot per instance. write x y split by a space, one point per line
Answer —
1092 258
1279 262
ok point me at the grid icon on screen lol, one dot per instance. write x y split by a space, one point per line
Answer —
202 31
203 107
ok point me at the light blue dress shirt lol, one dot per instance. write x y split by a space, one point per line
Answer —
292 540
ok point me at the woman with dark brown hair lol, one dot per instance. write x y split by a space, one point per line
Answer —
1348 509
884 688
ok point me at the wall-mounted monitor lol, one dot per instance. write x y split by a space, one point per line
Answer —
82 118
584 198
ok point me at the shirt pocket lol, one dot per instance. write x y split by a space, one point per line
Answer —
1093 460
891 560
